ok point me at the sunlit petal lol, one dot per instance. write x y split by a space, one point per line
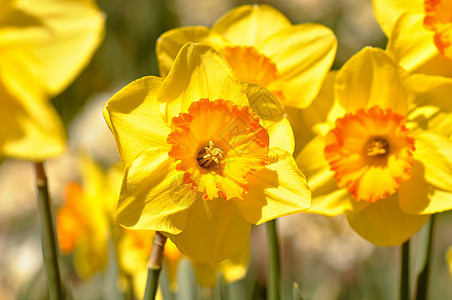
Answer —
134 117
213 232
372 78
189 80
275 191
250 24
153 195
303 55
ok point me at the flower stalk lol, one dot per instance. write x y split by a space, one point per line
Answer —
405 271
423 278
274 268
48 236
154 266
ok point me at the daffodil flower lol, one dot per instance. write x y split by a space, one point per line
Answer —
377 158
263 47
419 38
43 46
205 155
86 235
419 33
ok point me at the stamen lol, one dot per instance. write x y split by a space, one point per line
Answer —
377 146
209 154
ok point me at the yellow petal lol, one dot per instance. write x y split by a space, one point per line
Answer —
383 223
417 196
133 248
153 195
31 127
372 78
278 190
32 131
214 231
327 198
74 31
432 112
251 24
91 256
169 44
134 118
303 55
199 71
281 136
93 178
434 152
436 65
113 186
388 11
410 43
271 116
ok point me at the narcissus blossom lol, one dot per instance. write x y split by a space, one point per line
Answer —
86 235
43 46
206 156
263 47
378 159
419 33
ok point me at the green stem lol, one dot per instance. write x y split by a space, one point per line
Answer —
422 280
154 266
48 236
405 272
274 268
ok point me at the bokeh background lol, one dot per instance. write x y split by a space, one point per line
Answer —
323 255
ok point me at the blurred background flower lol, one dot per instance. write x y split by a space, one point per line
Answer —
322 254
42 49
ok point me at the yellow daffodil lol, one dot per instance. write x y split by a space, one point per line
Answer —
87 235
43 46
263 47
378 159
205 155
84 234
419 35
132 250
419 32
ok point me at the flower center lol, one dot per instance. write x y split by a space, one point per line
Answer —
210 154
438 18
370 153
377 146
217 145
